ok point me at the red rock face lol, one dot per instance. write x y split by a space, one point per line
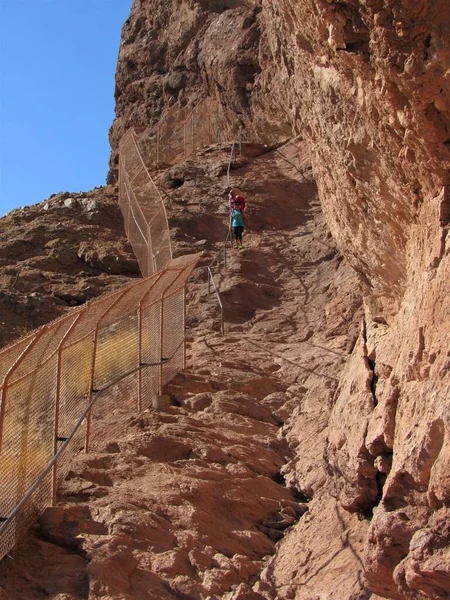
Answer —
59 254
364 400
366 84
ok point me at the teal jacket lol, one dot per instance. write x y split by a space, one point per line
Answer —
238 219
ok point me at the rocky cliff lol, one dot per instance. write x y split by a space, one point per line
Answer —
366 84
57 254
328 437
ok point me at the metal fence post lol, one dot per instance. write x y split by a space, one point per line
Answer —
91 388
140 357
157 145
56 437
184 140
150 258
161 344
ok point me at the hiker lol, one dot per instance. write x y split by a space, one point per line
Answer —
237 199
238 224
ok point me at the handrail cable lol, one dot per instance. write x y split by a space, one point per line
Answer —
223 249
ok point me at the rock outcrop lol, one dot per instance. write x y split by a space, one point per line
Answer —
58 254
367 85
338 400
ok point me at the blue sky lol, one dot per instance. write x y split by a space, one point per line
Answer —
57 67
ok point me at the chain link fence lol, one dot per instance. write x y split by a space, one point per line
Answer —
54 383
181 133
143 209
175 138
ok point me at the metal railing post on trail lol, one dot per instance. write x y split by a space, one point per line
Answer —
161 345
219 300
57 438
216 259
230 162
157 145
184 326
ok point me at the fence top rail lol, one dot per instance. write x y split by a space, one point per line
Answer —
178 264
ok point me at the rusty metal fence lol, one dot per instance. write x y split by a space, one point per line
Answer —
53 382
181 133
175 138
143 209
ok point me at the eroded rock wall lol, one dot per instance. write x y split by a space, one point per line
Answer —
366 83
369 88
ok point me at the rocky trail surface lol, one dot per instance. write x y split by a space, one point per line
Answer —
224 494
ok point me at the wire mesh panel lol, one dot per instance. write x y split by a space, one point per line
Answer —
172 335
117 350
140 203
75 380
170 142
108 412
25 515
150 352
97 362
11 459
75 446
28 439
9 355
203 127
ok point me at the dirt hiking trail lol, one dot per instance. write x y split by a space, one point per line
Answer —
212 497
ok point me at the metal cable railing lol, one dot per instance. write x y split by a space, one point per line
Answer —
216 262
